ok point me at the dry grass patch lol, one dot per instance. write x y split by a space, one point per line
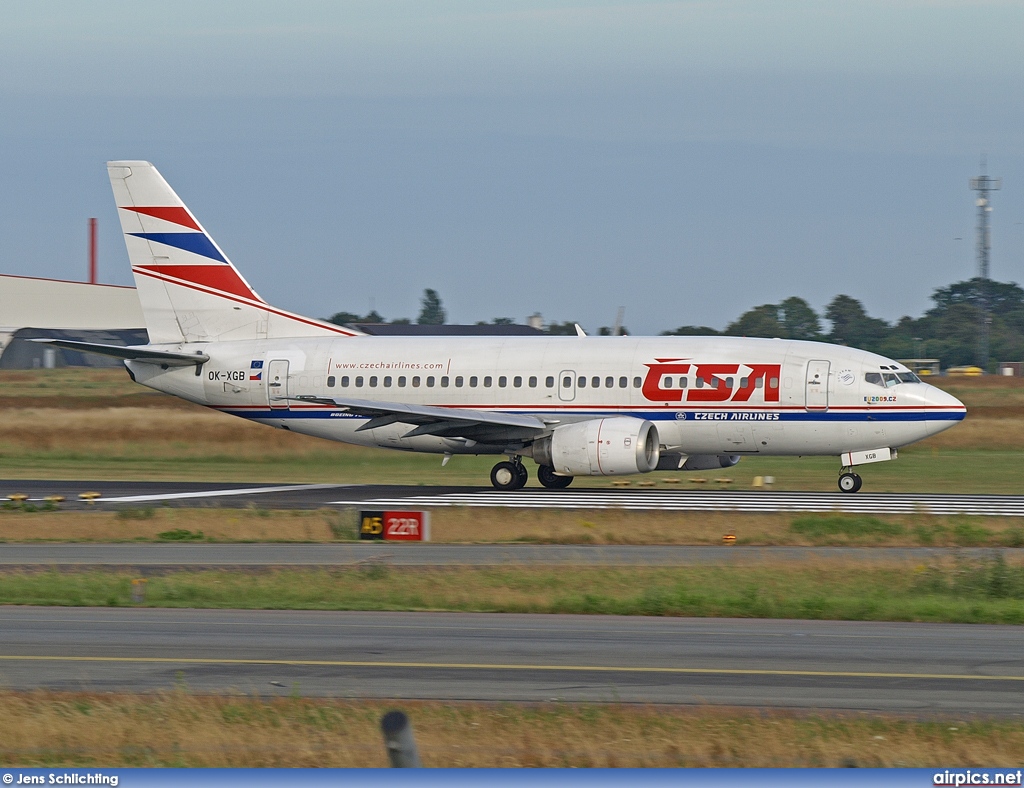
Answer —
179 729
465 525
147 524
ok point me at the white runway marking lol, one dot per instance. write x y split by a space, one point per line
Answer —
220 493
864 503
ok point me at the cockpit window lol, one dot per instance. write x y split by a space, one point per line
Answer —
890 379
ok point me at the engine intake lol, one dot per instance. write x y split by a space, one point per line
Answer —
613 446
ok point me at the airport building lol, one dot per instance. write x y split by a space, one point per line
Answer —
32 308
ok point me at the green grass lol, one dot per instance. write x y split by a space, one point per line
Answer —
982 591
916 470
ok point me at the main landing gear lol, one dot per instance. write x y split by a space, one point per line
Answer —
546 476
512 475
849 482
509 475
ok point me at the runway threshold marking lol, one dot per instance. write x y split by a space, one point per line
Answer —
220 493
499 666
726 501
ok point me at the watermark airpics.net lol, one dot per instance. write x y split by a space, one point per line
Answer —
957 777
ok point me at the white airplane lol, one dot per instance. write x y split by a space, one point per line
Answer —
578 406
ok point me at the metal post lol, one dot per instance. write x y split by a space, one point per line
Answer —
92 251
399 741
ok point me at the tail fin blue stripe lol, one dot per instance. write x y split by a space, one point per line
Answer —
197 243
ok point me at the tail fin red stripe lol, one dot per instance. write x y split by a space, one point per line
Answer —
173 214
215 277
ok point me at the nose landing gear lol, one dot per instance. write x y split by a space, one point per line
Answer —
849 482
509 475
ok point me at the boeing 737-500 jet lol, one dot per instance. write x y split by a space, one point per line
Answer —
577 406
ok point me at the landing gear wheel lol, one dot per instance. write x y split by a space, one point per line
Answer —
508 476
850 482
546 476
524 475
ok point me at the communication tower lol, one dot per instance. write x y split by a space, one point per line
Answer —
983 184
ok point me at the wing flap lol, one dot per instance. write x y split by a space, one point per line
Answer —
475 425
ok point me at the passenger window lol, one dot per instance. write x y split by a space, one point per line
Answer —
387 380
517 381
728 383
458 381
582 382
716 382
666 383
502 381
759 383
595 382
401 380
533 381
774 383
359 380
623 382
330 381
566 382
373 380
609 383
549 381
430 381
472 381
637 382
682 383
444 381
416 381
344 381
487 381
700 382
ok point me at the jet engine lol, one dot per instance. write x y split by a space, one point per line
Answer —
600 447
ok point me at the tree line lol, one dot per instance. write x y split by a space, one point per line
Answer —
951 331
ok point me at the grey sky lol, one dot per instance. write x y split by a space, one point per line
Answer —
685 160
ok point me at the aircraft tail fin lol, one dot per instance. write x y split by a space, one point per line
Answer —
189 290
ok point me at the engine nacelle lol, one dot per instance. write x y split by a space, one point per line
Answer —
614 446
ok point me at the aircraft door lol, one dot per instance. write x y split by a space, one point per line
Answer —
567 385
817 385
277 384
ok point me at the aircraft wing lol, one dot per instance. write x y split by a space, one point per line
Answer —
136 353
481 426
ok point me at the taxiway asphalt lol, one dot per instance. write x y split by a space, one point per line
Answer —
145 558
865 666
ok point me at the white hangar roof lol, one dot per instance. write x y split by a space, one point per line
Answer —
29 302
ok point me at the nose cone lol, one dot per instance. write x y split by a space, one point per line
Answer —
944 410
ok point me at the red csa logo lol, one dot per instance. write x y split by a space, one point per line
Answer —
711 392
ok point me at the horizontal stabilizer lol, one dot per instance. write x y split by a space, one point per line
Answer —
136 353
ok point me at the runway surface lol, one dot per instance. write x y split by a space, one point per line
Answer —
916 668
311 496
153 557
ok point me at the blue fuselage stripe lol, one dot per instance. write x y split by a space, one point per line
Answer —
756 417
